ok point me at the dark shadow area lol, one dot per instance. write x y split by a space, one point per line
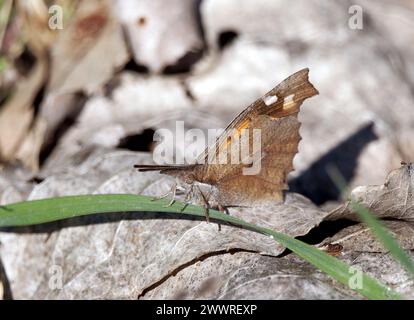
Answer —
189 59
36 179
7 293
316 184
225 38
38 100
187 91
138 142
325 230
25 62
131 65
185 63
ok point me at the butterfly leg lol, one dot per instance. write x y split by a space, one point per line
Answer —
172 191
206 204
187 197
222 209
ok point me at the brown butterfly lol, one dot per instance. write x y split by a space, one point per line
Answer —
275 115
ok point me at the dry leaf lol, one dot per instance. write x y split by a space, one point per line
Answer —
393 199
242 275
84 58
88 51
17 115
359 237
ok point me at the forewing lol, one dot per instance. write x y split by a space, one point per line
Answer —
282 101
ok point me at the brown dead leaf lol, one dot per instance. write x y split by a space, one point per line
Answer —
84 58
393 199
243 275
35 16
16 119
359 238
88 51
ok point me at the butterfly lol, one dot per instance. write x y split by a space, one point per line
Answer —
275 117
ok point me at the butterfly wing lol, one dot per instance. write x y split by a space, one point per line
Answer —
275 115
265 179
283 100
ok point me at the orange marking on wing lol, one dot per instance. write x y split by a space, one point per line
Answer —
243 125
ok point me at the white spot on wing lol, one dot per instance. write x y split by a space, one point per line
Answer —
288 99
269 100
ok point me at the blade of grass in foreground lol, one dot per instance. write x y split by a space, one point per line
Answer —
53 209
375 225
384 236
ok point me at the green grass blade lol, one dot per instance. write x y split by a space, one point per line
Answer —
384 236
53 209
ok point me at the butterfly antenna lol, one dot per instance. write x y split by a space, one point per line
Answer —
155 167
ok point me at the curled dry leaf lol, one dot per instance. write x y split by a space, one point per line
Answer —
160 32
359 237
393 199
